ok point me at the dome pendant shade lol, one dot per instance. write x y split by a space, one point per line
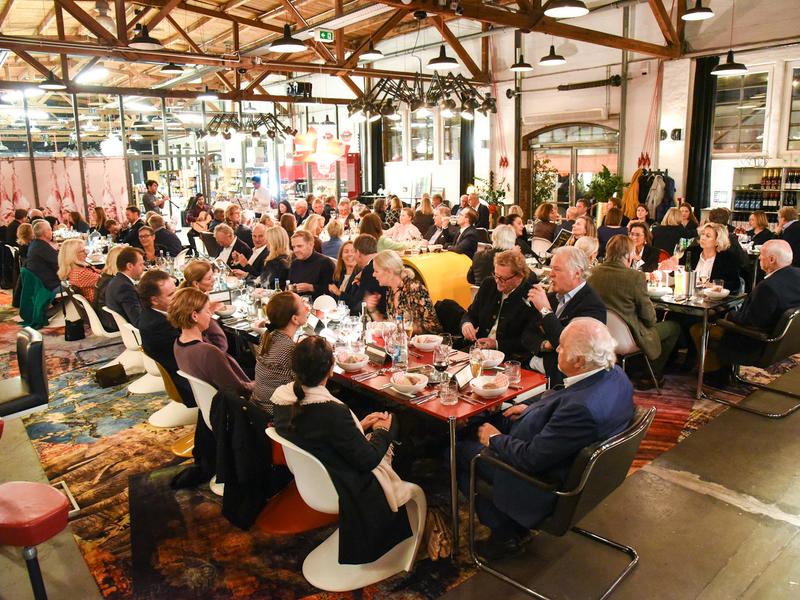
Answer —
730 68
51 83
172 68
442 61
371 54
698 13
552 59
521 66
143 41
565 9
287 43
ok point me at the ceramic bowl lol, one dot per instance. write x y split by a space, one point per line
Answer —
479 385
402 382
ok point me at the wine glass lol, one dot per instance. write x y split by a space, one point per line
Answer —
408 324
476 361
679 250
441 354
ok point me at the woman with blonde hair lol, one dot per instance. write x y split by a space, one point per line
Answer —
667 235
106 275
404 230
277 262
72 267
583 226
198 274
314 224
759 233
333 244
24 238
589 246
407 296
423 216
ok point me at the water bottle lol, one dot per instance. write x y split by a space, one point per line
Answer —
399 346
277 284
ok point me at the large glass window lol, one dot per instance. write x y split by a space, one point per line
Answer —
451 143
794 113
739 113
392 140
421 137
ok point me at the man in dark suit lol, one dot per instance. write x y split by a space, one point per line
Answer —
20 217
121 295
42 255
570 297
466 241
130 235
498 313
775 294
542 438
228 244
789 228
253 266
164 237
481 209
439 232
364 284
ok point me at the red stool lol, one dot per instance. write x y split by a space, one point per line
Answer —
31 513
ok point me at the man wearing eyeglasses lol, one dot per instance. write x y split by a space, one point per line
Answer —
498 315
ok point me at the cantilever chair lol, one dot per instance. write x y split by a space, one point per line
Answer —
29 389
767 349
596 472
626 345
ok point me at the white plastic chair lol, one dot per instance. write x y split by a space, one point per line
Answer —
626 345
325 303
83 306
321 567
175 413
180 260
136 364
540 245
203 395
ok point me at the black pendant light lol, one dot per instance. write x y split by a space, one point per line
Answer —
552 59
698 13
287 44
172 68
521 66
371 53
51 83
565 9
730 68
442 61
143 41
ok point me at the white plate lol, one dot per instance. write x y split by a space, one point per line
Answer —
478 383
492 358
658 292
422 381
425 342
717 295
351 367
226 310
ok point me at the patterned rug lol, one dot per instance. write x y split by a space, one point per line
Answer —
141 539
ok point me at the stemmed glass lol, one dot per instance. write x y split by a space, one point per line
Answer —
441 360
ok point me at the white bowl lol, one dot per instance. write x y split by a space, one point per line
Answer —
478 384
351 362
426 343
406 388
717 294
233 282
226 310
658 292
492 358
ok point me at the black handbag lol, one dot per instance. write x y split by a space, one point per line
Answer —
110 376
73 330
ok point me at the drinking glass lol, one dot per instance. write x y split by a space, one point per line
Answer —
679 250
718 284
513 372
408 324
448 393
476 361
441 361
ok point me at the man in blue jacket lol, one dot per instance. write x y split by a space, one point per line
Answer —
544 437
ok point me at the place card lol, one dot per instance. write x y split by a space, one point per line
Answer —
463 377
377 356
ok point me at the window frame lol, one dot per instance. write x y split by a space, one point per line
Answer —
769 70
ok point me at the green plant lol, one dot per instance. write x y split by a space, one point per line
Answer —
604 185
544 179
491 191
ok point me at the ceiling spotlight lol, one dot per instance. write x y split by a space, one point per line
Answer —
521 66
371 53
51 83
287 43
448 108
208 96
226 135
143 41
442 61
172 68
552 59
565 9
374 117
698 13
730 68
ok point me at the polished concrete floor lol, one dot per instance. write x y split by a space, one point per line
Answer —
717 517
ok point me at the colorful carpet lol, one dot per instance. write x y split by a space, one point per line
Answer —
141 539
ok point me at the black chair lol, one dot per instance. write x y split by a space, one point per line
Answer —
29 389
483 235
597 471
212 247
766 349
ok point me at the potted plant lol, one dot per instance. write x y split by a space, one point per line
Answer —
493 192
604 185
544 179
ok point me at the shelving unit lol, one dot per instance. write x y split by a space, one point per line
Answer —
764 189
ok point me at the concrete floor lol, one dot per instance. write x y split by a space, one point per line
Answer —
66 575
717 517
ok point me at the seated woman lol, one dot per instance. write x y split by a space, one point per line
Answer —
100 221
72 267
345 271
308 415
198 274
612 225
669 233
147 240
615 203
379 208
314 224
589 246
404 230
407 296
276 264
284 208
515 221
289 223
645 255
759 233
371 224
546 221
190 311
286 313
643 214
77 223
688 220
24 239
106 275
711 258
393 214
583 226
503 238
423 216
514 209
333 244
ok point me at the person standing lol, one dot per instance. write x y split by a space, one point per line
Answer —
152 200
262 200
789 230
481 209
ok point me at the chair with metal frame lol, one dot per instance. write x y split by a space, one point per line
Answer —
596 472
626 345
780 343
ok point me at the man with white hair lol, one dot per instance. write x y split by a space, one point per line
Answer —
43 255
542 438
569 297
230 245
301 209
775 294
481 209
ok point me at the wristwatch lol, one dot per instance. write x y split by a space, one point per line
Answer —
545 311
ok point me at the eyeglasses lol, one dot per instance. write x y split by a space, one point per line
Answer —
499 279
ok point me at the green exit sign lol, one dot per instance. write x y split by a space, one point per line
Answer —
325 35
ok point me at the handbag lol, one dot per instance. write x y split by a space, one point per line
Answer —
438 537
110 376
73 330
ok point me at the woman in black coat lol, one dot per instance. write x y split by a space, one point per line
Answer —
311 417
666 235
643 250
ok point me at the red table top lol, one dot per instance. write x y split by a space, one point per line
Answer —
461 411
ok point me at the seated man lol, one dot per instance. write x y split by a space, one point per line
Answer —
130 235
498 315
229 244
624 290
544 437
121 295
20 217
311 272
466 239
164 237
569 297
233 218
156 290
775 294
43 256
253 266
439 232
366 247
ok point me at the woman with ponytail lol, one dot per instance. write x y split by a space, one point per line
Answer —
372 515
286 314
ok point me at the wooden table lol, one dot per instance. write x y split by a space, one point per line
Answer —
531 384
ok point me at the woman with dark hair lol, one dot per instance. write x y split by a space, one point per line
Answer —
308 415
379 208
546 221
345 270
612 225
372 225
688 220
77 223
645 256
515 221
286 313
284 208
393 214
643 214
289 223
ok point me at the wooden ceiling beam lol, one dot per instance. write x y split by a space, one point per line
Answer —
664 22
475 12
6 11
458 48
32 62
352 85
61 36
214 14
162 13
377 36
138 17
197 49
89 22
46 22
120 12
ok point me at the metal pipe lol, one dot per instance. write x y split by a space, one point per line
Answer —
30 152
80 152
517 121
123 136
623 102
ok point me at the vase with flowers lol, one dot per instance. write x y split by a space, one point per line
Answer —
494 193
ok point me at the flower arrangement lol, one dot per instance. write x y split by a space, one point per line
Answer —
493 192
544 178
